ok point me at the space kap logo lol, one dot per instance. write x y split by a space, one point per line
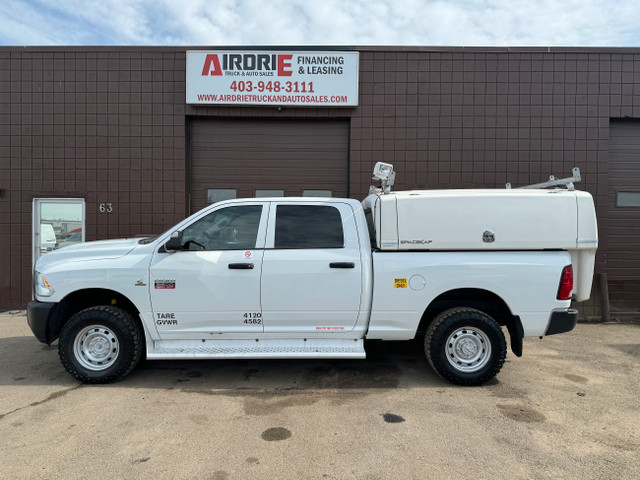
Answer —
272 78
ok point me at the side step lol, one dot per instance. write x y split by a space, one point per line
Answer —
262 348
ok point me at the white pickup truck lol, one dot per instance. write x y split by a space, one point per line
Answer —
313 278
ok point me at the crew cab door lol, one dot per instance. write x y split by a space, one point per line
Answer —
312 271
212 285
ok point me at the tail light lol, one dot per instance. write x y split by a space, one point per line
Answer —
566 283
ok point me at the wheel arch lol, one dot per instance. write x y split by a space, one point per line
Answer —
78 300
480 299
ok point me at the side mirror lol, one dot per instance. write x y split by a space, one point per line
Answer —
174 244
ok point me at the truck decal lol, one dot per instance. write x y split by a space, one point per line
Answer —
252 318
400 283
166 322
165 284
168 318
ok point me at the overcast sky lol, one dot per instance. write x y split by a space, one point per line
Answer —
320 22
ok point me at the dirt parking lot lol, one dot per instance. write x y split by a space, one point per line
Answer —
567 409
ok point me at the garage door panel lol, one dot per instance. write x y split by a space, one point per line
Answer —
266 158
623 229
270 127
284 166
249 154
257 145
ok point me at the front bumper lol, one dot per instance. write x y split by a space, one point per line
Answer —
562 321
38 315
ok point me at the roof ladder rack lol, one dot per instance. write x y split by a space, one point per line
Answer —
555 182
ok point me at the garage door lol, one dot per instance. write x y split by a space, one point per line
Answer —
623 246
267 157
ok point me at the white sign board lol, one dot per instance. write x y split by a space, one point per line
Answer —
237 77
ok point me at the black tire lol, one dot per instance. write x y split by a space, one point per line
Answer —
465 346
100 344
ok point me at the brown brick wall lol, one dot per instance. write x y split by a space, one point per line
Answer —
105 125
109 125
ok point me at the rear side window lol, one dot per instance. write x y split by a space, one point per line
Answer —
308 226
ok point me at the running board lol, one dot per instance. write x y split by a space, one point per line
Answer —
262 348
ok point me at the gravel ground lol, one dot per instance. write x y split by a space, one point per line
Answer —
567 409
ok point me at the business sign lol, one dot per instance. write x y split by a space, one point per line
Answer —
305 79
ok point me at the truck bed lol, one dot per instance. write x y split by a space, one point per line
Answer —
405 282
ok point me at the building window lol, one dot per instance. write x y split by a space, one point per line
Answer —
219 194
628 199
316 193
269 193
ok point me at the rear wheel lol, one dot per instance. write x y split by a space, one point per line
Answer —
100 344
465 346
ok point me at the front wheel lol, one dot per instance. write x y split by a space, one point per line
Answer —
100 344
465 346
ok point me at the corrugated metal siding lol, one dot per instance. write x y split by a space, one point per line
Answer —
623 233
250 154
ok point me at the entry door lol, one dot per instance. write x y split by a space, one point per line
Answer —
213 284
57 222
312 272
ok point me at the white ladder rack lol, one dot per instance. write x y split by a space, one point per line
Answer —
555 182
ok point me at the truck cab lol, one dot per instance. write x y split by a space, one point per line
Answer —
226 271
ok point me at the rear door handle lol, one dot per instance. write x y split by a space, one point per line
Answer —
342 265
240 266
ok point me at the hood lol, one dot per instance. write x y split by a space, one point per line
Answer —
102 249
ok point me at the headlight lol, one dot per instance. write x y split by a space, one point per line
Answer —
43 287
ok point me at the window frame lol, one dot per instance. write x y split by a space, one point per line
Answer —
255 192
262 225
317 190
235 194
271 234
617 199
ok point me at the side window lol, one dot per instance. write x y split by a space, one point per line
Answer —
308 226
229 228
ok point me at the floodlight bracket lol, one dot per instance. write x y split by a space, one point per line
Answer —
383 172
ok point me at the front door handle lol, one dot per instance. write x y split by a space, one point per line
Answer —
342 265
240 266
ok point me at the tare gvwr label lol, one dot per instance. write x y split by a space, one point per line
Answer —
272 78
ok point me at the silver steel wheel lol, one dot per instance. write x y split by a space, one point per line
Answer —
96 347
468 349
